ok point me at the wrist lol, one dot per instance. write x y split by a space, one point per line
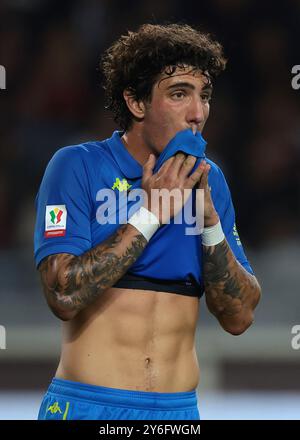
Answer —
211 220
145 222
212 235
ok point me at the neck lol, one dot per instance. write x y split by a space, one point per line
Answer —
136 146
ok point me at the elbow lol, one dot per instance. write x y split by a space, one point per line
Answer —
237 330
257 297
243 321
239 326
63 314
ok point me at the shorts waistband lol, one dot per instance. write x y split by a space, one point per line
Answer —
118 397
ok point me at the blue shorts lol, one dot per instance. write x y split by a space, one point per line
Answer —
67 400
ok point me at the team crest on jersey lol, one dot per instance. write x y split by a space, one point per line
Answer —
55 221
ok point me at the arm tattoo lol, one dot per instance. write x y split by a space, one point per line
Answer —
228 286
78 281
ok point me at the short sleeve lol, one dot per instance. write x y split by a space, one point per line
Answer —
225 209
63 207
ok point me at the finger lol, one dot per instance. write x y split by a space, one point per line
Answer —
195 176
176 166
165 166
208 167
187 166
148 167
203 183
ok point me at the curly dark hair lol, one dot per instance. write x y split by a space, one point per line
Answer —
135 60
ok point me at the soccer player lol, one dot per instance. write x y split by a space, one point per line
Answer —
128 293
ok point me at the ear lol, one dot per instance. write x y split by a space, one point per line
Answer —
137 108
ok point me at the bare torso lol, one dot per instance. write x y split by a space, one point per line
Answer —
134 340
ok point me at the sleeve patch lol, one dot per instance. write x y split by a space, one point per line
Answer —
55 221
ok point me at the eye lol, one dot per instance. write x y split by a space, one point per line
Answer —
178 95
206 98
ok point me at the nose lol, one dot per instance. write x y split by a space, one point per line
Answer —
197 112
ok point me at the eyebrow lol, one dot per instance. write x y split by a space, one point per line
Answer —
188 85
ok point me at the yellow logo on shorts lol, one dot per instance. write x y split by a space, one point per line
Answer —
121 185
54 408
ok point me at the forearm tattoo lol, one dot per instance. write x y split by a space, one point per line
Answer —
75 282
228 286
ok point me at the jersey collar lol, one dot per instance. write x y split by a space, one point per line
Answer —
184 141
130 167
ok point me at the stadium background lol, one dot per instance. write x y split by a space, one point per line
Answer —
50 50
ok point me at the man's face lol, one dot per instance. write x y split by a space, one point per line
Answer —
178 102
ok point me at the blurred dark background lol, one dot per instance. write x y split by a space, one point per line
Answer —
51 50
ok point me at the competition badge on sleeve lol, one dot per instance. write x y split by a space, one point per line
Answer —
55 220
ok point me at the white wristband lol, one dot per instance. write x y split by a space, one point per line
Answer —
145 222
213 235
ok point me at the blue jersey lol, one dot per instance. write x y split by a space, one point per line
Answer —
70 210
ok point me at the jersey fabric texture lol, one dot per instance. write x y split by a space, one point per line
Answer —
74 209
